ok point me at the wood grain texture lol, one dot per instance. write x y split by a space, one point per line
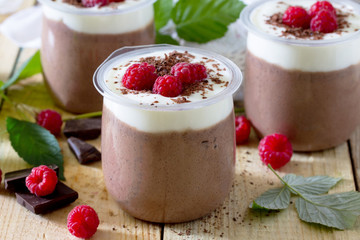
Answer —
19 223
234 219
355 149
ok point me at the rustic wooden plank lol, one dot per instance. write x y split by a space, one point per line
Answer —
355 150
19 223
234 220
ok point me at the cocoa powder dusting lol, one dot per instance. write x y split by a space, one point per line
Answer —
276 20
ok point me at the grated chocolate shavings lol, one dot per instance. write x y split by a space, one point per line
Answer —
163 65
180 100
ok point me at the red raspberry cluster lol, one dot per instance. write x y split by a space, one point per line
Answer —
143 77
320 18
100 3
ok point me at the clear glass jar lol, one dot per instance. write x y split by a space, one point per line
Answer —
167 163
76 40
308 90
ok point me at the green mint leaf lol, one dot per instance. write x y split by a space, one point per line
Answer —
162 38
311 185
204 20
31 67
162 10
34 144
277 198
255 206
335 210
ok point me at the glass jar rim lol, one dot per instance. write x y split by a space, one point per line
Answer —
250 26
127 52
91 11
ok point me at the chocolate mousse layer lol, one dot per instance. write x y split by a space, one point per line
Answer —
168 177
315 110
70 59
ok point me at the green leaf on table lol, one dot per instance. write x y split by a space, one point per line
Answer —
31 67
277 198
34 144
335 210
162 10
162 38
311 185
204 20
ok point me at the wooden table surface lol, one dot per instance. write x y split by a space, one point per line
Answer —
233 220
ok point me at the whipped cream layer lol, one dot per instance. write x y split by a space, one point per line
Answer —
329 57
149 120
111 19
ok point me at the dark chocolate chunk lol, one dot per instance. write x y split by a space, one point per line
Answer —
85 129
83 151
61 196
15 181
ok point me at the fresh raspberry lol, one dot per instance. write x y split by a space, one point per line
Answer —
189 73
140 76
201 71
93 3
82 221
0 175
168 86
183 72
275 150
242 128
324 21
321 5
296 17
41 181
51 120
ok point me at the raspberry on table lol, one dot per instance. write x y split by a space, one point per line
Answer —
324 22
82 221
296 17
189 73
93 3
140 76
321 5
41 181
168 86
275 150
242 129
50 120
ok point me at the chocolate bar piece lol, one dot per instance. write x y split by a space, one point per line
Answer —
61 196
83 151
85 129
15 181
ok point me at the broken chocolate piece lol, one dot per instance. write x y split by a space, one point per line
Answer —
61 196
83 151
15 181
85 129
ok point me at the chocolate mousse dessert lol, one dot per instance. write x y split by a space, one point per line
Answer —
78 35
303 70
168 143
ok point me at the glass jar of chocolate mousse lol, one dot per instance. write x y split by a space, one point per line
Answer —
76 39
168 159
303 84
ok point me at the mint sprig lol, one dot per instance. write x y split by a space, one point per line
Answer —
34 144
197 21
333 210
